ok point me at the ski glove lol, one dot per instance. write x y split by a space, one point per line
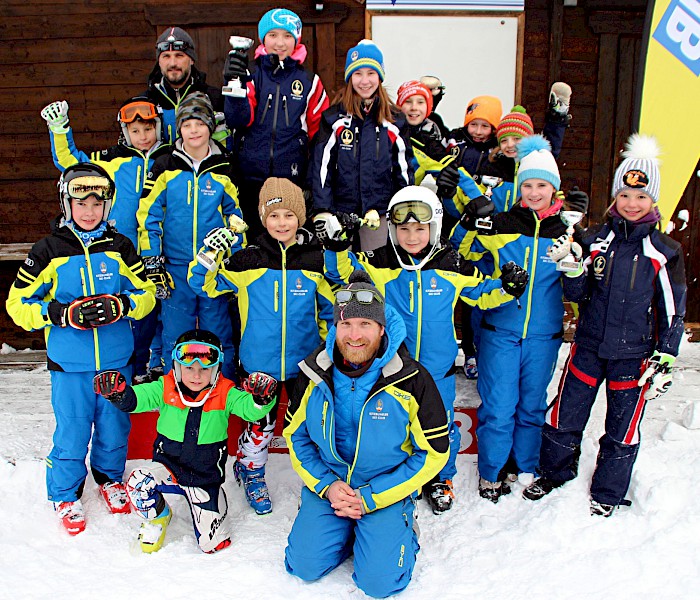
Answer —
110 384
155 271
578 200
331 233
657 377
562 247
236 66
90 312
221 131
514 279
262 386
559 98
56 116
220 239
447 181
477 208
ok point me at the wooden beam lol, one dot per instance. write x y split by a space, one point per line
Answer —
556 32
325 48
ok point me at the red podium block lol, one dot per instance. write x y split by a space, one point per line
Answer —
466 419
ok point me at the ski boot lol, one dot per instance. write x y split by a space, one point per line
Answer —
440 496
115 496
493 490
225 544
471 371
602 510
71 515
256 491
540 488
152 533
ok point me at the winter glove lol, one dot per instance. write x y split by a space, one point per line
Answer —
514 279
559 98
447 181
371 220
90 312
657 377
220 239
221 132
477 208
110 384
331 233
262 387
562 247
56 116
578 200
155 271
236 66
58 313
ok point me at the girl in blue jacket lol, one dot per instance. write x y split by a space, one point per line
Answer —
631 292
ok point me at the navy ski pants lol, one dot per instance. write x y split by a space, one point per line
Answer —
567 417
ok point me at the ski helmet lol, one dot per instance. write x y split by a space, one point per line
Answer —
197 345
139 108
420 205
196 106
82 180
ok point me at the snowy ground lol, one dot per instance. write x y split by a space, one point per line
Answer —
548 549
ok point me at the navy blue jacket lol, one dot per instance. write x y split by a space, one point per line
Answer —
633 293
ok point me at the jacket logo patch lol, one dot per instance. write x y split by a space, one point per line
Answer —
297 89
454 151
295 170
104 275
208 191
377 414
434 289
635 179
299 290
346 137
29 262
433 282
599 266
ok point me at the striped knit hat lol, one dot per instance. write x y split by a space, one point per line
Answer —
365 54
516 123
640 168
488 108
415 88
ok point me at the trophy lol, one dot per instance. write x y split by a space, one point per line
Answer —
207 258
235 87
489 182
570 218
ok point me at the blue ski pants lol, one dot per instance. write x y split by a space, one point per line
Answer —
448 392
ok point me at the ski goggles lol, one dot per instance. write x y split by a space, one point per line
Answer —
433 83
173 46
401 212
145 111
362 296
187 353
90 185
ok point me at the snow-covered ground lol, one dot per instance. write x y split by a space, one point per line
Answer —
547 549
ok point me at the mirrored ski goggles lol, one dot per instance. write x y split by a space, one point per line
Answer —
433 83
362 296
89 185
173 46
403 211
137 110
206 355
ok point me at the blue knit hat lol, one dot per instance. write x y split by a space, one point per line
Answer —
536 161
280 18
365 54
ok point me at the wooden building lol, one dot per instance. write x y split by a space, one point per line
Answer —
96 53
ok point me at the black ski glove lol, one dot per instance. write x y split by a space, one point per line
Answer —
514 279
447 181
476 208
262 387
236 66
578 200
110 384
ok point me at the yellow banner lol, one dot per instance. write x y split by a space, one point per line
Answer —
670 102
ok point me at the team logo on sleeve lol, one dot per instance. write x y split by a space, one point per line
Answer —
297 88
635 179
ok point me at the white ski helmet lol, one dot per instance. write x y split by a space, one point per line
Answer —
421 205
82 180
142 109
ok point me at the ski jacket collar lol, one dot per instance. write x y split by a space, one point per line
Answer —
298 56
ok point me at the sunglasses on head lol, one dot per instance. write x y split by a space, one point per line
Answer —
362 296
137 110
403 211
89 185
173 46
206 355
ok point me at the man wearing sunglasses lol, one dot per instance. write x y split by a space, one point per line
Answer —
174 76
366 429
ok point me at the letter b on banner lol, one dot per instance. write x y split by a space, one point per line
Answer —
679 32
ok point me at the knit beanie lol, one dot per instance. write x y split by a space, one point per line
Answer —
360 280
536 161
365 54
175 34
415 88
517 123
639 169
196 106
488 108
276 193
280 18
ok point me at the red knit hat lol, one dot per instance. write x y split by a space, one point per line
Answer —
415 88
516 123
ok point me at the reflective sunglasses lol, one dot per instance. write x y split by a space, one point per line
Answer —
173 46
400 213
90 185
362 296
433 83
137 110
187 353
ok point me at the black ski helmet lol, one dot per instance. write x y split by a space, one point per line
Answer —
82 180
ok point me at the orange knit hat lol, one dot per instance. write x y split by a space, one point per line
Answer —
488 108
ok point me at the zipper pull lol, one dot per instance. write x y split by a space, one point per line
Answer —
269 101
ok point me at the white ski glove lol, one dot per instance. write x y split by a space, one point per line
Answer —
220 239
658 375
327 227
559 97
56 116
562 247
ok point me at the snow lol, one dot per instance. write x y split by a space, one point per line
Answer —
549 549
